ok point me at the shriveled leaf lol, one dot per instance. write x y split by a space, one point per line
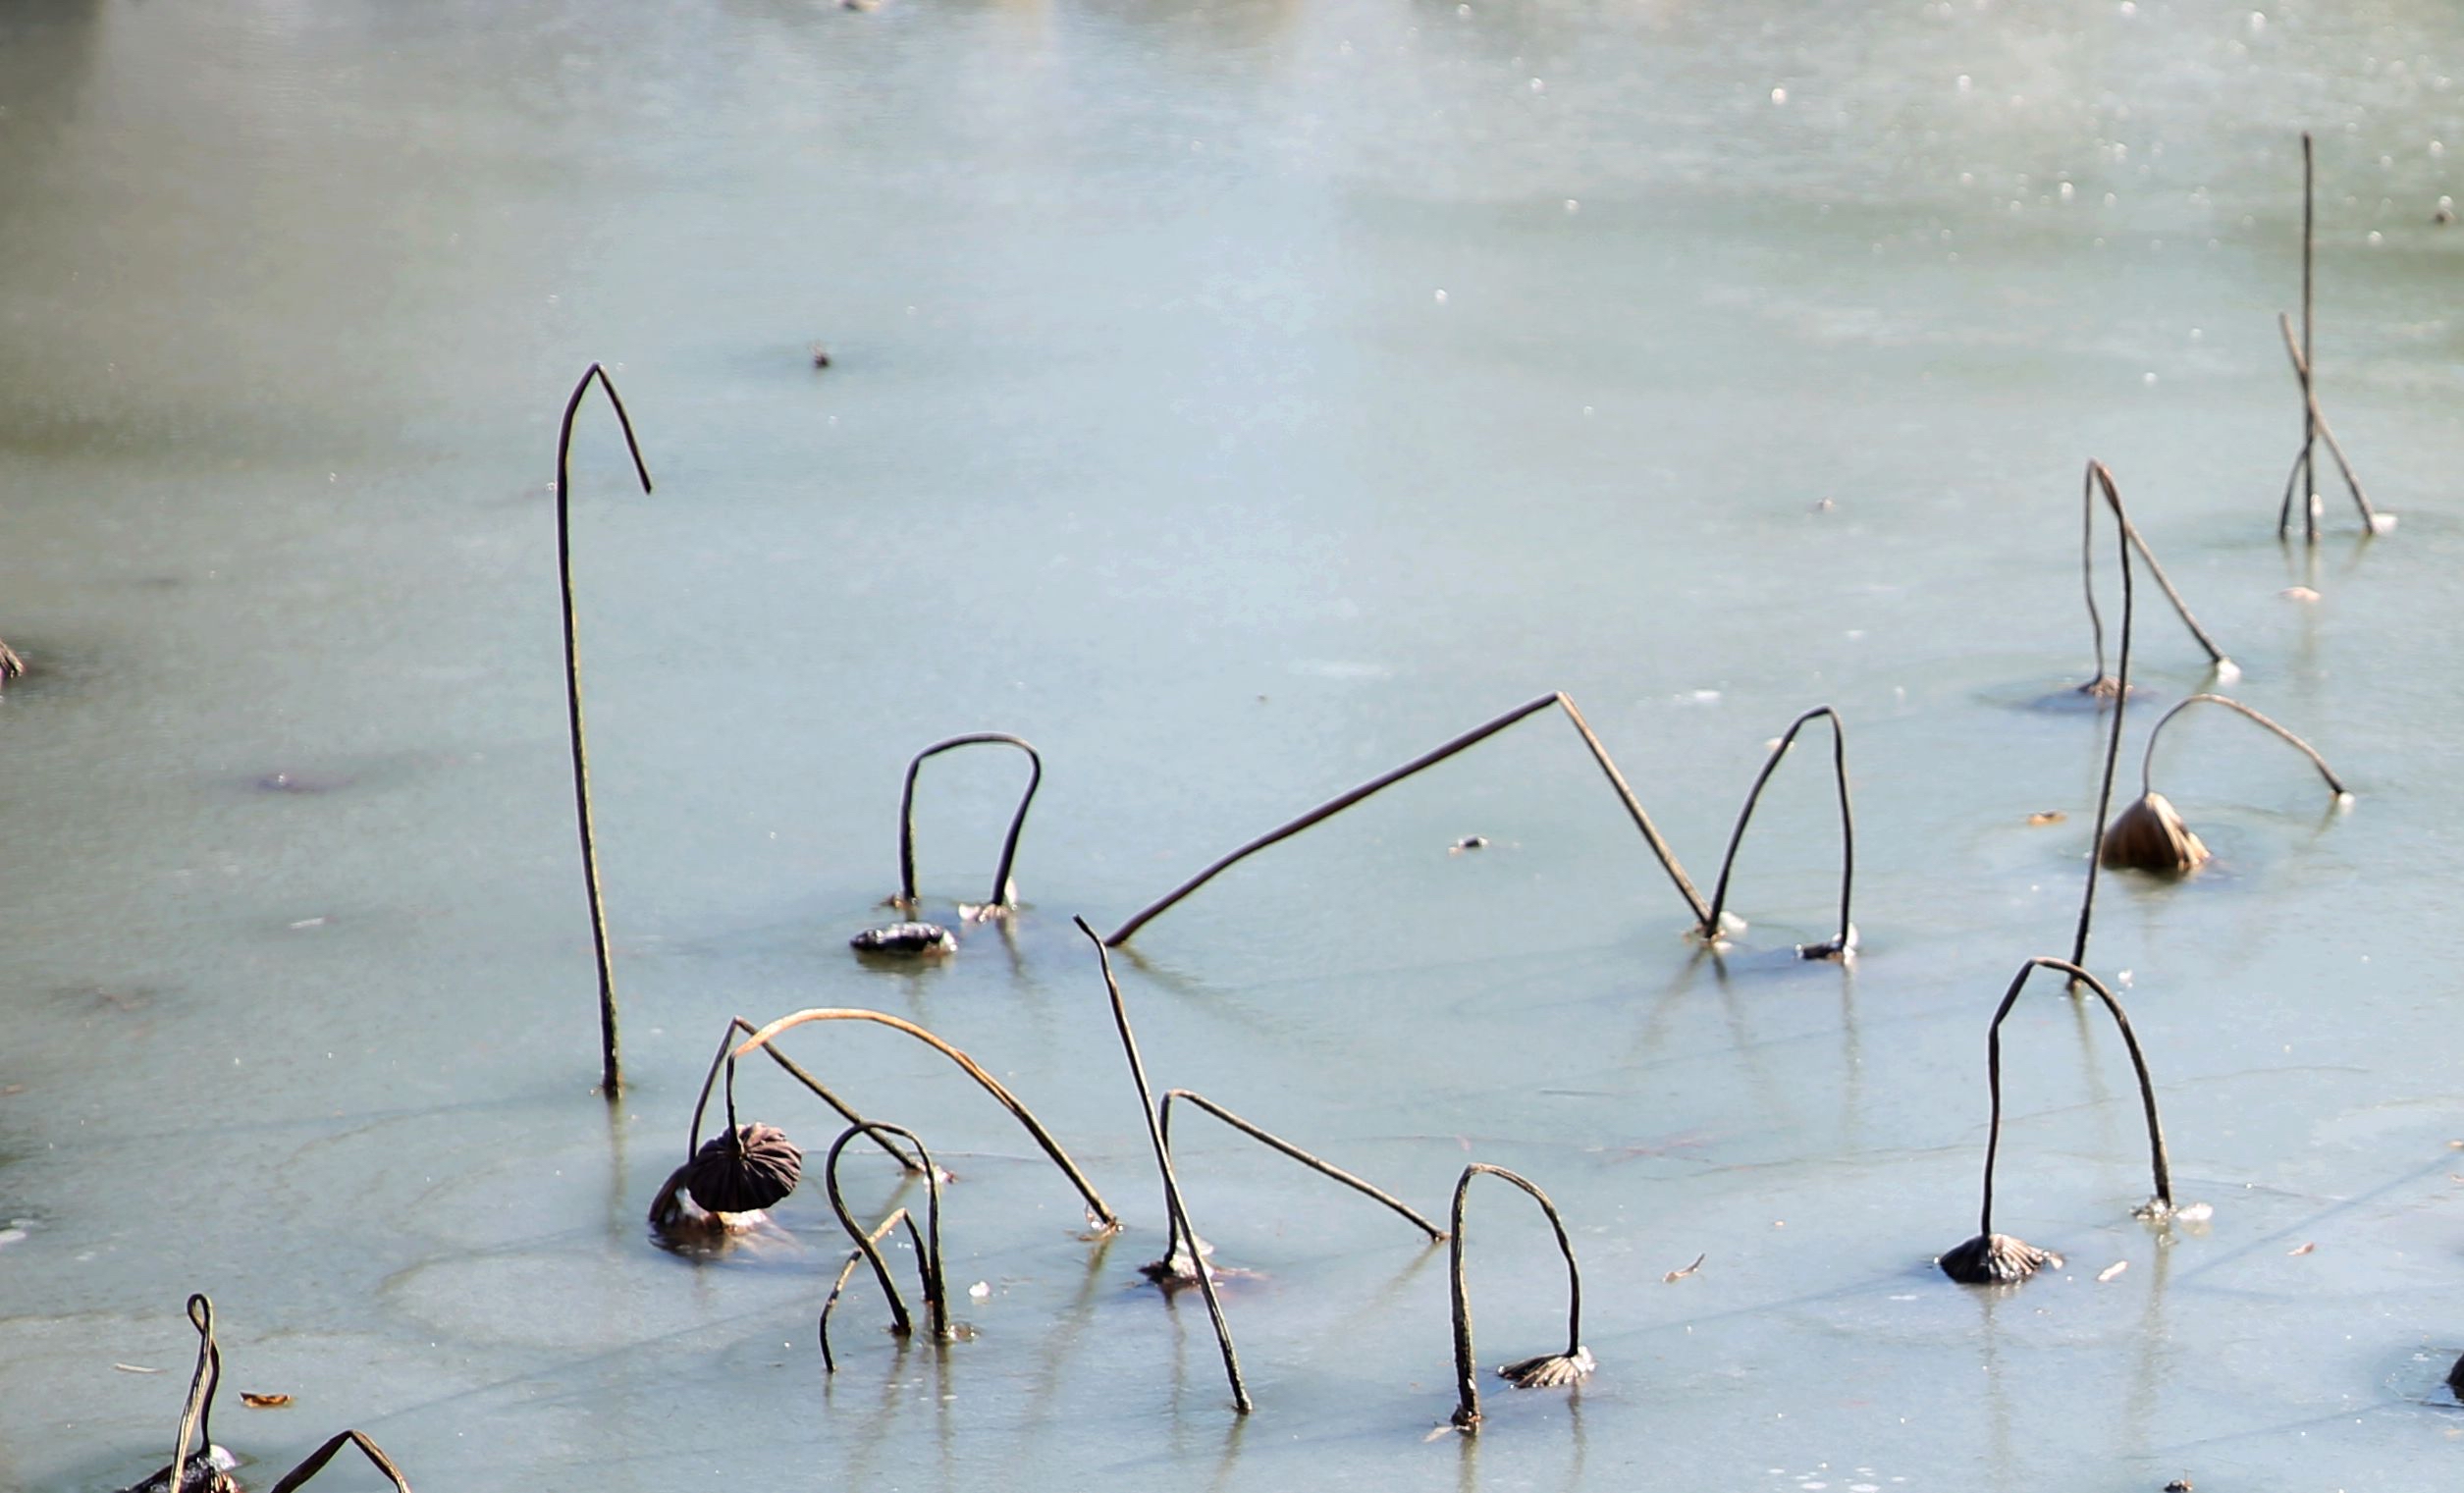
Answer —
263 1402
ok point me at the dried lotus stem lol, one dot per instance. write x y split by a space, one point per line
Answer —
573 703
325 1454
868 1248
1273 1142
2147 761
927 1246
1843 943
10 665
1983 1248
1548 1371
2100 474
2319 422
1101 1213
1175 1211
1477 735
1003 893
196 1417
2101 684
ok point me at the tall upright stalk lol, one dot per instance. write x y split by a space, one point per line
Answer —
196 1417
610 1079
1175 1211
1003 893
1477 735
1843 945
2104 478
1097 1209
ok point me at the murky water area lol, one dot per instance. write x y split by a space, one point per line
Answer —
1235 400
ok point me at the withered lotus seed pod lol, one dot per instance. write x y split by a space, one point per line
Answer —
1552 1370
2149 836
910 939
744 1170
2455 1379
1995 1259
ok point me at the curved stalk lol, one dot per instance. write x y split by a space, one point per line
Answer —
735 1024
1175 1211
1102 1213
868 1248
2158 1165
2319 423
2100 474
325 1454
1477 735
1466 1417
1272 1142
196 1417
1845 941
2132 539
1003 894
2147 761
608 1077
927 1248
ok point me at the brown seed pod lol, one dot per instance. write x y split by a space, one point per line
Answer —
2149 836
910 939
1995 1259
743 1170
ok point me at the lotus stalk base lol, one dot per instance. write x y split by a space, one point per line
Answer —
1995 1259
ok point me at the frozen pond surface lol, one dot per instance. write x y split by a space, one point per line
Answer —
1235 400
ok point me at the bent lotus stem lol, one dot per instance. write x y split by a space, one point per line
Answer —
10 665
1843 945
1175 1211
2088 485
868 1248
722 1058
196 1417
325 1454
1273 1142
1477 735
1466 1417
2147 761
2102 476
1102 1213
609 1076
1003 894
927 1248
2318 419
2303 471
2159 1168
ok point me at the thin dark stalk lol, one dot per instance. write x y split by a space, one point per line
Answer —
325 1454
1003 894
2147 557
609 1077
1845 942
2157 1162
867 1247
927 1248
196 1417
2148 761
1477 735
1174 1210
735 1024
2309 398
2103 477
1320 1165
1466 1417
2319 422
1102 1213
